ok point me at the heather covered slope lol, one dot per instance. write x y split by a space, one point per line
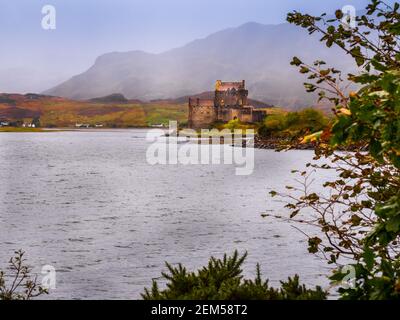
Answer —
62 112
110 111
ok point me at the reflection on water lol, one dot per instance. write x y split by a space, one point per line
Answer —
89 204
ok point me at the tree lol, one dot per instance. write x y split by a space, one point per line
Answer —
293 124
222 279
21 286
312 120
359 216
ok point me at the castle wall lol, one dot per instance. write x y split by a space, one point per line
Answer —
231 98
224 114
246 114
235 114
230 94
258 115
202 113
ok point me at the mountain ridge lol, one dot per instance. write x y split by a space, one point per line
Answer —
258 53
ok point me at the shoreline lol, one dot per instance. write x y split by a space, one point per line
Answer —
277 143
61 129
259 143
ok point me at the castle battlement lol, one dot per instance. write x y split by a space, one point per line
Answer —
225 85
201 102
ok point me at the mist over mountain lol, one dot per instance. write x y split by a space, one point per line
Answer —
258 53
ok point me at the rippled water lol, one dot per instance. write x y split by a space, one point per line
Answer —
90 205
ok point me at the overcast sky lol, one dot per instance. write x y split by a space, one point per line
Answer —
33 59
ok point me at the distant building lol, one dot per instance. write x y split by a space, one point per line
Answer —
82 125
230 103
28 125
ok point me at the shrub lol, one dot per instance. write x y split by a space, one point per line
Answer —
21 285
222 279
312 120
293 124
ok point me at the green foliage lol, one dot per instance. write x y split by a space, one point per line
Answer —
375 116
21 285
163 113
366 228
375 279
311 120
293 124
234 124
272 125
222 279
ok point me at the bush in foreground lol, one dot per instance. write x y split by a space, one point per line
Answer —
222 279
21 286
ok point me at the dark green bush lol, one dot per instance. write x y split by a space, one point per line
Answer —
222 279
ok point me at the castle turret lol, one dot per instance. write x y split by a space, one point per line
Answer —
230 94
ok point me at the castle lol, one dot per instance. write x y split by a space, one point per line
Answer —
230 103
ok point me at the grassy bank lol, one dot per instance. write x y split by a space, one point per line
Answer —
18 129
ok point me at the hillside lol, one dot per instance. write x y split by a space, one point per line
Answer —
111 111
258 53
62 112
112 98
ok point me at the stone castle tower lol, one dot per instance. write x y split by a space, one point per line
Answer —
230 102
230 94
